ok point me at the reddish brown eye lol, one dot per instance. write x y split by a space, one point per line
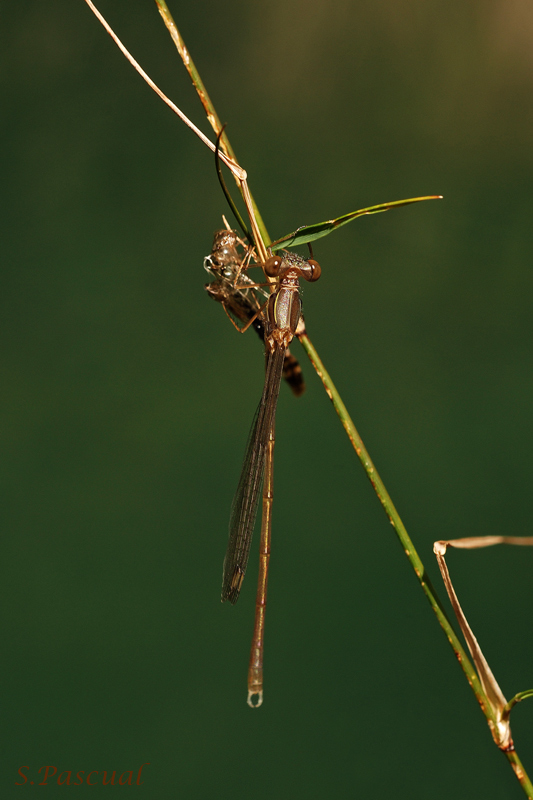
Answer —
315 270
272 265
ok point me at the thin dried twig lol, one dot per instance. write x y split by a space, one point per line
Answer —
240 174
501 731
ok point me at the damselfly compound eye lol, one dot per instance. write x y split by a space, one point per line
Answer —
315 270
272 266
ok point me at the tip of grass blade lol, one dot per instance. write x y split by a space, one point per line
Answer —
309 233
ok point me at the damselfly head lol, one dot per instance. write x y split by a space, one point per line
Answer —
279 265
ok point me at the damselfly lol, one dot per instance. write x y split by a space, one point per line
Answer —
281 321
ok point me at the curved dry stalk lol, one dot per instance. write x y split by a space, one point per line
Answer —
501 732
239 173
477 542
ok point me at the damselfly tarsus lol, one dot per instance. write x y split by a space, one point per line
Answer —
281 319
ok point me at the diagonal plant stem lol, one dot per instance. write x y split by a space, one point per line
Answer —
521 774
205 100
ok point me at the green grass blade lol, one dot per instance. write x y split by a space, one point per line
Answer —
308 233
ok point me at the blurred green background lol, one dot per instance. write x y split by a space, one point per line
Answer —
127 396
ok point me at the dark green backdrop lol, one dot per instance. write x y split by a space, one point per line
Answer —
127 397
